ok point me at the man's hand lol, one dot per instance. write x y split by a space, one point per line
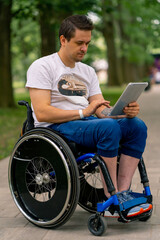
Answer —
131 110
94 105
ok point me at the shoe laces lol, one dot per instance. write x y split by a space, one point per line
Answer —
125 196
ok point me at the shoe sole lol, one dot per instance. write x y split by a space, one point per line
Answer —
147 209
135 214
129 215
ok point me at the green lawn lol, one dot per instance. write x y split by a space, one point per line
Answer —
112 93
11 120
10 125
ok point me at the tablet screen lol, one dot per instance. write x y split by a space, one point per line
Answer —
130 94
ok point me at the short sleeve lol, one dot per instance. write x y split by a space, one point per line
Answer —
39 75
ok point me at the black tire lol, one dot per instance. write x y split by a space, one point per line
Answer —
91 189
44 178
97 226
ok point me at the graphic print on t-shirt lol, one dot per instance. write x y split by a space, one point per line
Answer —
70 85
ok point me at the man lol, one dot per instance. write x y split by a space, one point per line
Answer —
65 94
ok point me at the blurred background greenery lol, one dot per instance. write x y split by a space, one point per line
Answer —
126 37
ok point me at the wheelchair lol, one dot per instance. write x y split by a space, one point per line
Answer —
49 175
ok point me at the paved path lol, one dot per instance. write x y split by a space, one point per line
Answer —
13 226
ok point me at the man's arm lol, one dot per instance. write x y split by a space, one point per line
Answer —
41 101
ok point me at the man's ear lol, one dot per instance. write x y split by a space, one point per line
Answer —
62 40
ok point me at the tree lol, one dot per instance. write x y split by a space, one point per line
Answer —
35 25
25 38
131 30
132 43
106 25
108 30
6 90
136 21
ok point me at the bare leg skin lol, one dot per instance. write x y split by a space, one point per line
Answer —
127 167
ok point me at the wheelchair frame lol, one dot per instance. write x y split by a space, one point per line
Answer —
24 161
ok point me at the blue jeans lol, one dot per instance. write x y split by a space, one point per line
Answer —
106 134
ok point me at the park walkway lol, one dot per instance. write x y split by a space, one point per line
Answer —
13 226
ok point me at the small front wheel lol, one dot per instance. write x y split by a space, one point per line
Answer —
97 225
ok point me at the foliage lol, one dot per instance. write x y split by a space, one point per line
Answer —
136 30
131 32
25 46
140 30
140 21
26 39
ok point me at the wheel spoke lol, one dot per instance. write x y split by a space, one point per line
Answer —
40 184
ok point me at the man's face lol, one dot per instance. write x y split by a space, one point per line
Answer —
77 47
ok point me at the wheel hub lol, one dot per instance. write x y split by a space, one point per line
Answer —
46 178
40 179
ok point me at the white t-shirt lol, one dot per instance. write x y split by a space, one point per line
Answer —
70 87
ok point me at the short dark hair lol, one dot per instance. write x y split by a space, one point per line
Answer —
70 24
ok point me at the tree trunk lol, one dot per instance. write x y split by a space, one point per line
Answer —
6 90
114 73
131 71
125 65
49 21
48 32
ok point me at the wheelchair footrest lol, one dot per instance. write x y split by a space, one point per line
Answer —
122 208
139 198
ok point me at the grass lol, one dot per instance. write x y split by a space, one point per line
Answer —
111 93
11 120
10 125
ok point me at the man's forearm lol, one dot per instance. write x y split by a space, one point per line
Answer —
99 112
56 115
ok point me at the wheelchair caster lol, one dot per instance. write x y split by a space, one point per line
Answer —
97 225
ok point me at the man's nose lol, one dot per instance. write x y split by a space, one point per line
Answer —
84 48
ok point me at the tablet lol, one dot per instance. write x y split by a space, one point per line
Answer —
130 94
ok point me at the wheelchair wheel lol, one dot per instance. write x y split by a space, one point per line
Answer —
44 178
97 225
91 188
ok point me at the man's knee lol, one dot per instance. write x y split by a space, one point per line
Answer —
109 129
139 127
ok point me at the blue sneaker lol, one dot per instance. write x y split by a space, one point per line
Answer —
127 195
131 213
